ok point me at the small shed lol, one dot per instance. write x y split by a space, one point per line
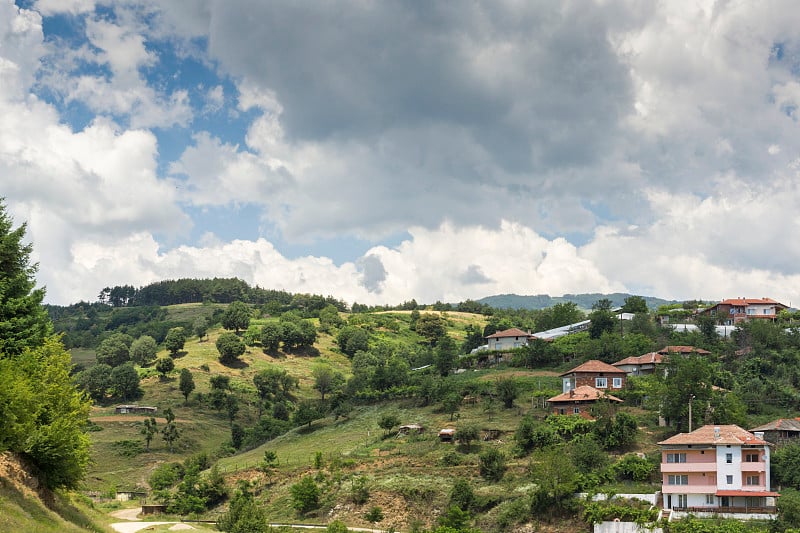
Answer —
138 409
491 434
447 435
129 495
410 429
154 508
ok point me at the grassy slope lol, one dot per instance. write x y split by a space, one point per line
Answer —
407 477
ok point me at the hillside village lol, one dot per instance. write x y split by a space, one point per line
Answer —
222 406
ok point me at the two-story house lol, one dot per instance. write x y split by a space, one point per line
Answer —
717 469
734 310
508 339
593 373
639 365
579 401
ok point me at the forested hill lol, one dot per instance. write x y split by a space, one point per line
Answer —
583 301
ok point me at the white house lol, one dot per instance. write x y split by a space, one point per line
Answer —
508 339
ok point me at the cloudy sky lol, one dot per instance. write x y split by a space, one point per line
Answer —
380 151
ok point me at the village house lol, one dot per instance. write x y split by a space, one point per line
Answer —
683 350
639 365
508 339
593 373
579 401
717 469
735 310
781 431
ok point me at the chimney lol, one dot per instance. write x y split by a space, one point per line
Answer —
759 434
716 432
571 393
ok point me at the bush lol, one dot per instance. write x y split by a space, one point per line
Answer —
230 348
305 495
166 476
375 514
461 495
492 464
634 468
359 490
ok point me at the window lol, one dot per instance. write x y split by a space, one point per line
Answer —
677 479
729 480
676 457
601 383
709 499
682 500
616 383
752 480
576 411
751 458
729 458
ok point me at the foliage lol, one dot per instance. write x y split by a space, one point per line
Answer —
306 413
387 422
114 350
236 316
43 415
622 510
329 319
165 475
431 328
507 391
454 518
170 432
359 490
125 381
587 454
337 526
445 356
305 494
634 468
143 350
530 436
788 511
95 380
467 433
174 341
230 348
23 321
148 430
462 495
492 464
602 318
635 304
615 432
186 383
785 465
326 380
244 515
271 334
556 480
375 514
165 365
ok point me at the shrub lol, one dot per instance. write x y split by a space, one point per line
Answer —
375 514
492 464
305 494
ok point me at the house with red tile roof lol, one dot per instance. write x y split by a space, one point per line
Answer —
639 365
734 310
683 350
508 339
717 469
781 431
595 374
579 401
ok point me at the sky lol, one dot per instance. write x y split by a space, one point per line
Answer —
379 151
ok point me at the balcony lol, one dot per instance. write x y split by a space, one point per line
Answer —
682 468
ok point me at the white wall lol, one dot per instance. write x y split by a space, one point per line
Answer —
733 469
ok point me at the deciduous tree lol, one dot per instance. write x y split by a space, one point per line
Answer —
186 384
230 348
143 350
236 316
174 341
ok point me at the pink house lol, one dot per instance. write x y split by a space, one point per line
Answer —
717 469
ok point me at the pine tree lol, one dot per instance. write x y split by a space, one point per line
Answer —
23 321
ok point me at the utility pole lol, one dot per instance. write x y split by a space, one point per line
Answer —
690 412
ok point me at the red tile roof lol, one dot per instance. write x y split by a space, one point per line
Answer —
652 358
513 332
583 393
594 366
728 434
748 301
682 349
781 424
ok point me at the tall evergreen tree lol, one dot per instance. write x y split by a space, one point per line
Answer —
23 321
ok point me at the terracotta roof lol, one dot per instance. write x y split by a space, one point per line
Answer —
583 393
728 434
594 366
682 349
513 332
757 493
652 358
781 424
748 301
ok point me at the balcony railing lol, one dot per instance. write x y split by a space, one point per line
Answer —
730 510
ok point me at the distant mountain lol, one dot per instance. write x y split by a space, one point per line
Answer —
583 301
